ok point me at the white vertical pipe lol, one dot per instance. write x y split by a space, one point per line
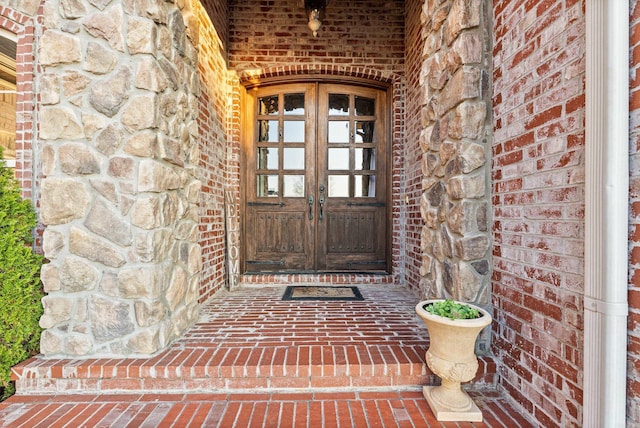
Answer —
606 213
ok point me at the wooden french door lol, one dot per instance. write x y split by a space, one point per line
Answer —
316 179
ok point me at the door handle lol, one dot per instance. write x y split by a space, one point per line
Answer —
321 202
310 200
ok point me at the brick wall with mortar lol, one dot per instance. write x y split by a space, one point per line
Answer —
633 383
411 161
538 205
17 17
214 113
358 39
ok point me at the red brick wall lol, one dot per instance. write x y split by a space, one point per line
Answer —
212 129
27 172
369 34
538 205
218 13
411 162
633 384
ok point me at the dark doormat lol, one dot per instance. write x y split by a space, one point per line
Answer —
296 292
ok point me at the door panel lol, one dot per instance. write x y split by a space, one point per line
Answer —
281 241
316 179
351 169
279 236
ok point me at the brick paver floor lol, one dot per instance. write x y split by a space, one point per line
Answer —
256 360
344 409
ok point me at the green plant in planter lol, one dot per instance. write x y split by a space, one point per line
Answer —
20 287
451 309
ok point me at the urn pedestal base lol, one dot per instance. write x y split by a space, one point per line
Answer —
451 357
467 412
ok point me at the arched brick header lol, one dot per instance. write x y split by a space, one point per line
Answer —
293 70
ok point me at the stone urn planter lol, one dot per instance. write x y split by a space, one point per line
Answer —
451 356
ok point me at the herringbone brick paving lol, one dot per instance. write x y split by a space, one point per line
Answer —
255 360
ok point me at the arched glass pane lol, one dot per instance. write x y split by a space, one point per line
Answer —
293 104
268 105
338 104
365 106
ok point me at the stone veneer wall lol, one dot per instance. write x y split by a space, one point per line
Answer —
118 119
455 143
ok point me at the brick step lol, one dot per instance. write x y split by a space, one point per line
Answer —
251 339
304 368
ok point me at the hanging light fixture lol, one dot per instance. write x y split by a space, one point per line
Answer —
315 12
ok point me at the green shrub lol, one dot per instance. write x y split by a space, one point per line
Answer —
450 309
20 287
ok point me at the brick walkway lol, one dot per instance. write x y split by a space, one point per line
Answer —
255 360
345 409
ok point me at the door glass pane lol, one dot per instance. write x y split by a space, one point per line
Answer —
294 104
338 186
267 158
364 131
365 186
293 186
365 159
293 131
267 185
365 106
339 132
268 131
268 105
339 158
293 158
339 104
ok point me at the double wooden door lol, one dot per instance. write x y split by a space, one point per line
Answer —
315 189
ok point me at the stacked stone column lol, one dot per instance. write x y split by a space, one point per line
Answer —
455 144
117 120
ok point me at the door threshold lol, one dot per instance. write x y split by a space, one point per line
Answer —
328 278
